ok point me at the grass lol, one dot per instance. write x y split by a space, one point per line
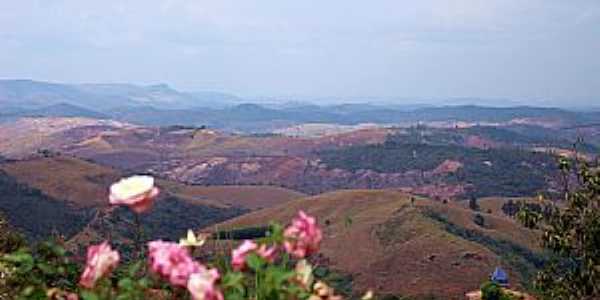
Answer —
76 181
85 184
524 260
390 246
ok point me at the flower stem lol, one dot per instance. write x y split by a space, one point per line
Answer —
138 236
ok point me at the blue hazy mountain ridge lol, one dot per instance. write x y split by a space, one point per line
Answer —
36 94
63 110
253 113
160 105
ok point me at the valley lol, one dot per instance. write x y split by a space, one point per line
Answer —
299 150
400 190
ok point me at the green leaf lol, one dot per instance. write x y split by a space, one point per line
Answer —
47 268
18 257
275 233
58 250
28 291
126 284
233 283
234 296
88 295
124 297
134 269
278 275
233 279
144 282
254 262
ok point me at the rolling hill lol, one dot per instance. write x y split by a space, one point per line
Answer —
57 110
68 196
85 184
412 158
420 249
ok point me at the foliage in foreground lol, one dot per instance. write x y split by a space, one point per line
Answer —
572 233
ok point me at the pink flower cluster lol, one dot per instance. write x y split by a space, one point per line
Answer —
172 262
303 236
203 285
239 255
169 260
101 260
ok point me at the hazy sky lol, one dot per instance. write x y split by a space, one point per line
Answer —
524 49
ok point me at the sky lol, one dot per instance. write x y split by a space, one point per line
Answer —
531 50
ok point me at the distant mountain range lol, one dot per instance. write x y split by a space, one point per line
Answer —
253 117
161 105
19 94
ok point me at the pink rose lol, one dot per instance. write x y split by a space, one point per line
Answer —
136 192
202 285
238 256
101 260
268 253
172 262
180 274
303 236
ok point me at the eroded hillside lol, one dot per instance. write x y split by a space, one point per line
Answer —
385 241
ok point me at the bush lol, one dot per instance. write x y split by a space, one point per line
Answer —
571 231
491 291
479 220
473 205
248 233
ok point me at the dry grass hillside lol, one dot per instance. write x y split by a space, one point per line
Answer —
396 247
85 184
247 196
79 182
27 135
68 196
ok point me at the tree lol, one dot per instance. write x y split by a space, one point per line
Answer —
479 220
491 291
473 203
571 232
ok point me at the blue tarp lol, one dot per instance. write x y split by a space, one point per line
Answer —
499 276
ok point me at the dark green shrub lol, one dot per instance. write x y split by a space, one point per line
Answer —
248 233
571 232
491 291
479 220
473 205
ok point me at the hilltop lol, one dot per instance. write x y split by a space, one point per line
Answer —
383 241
